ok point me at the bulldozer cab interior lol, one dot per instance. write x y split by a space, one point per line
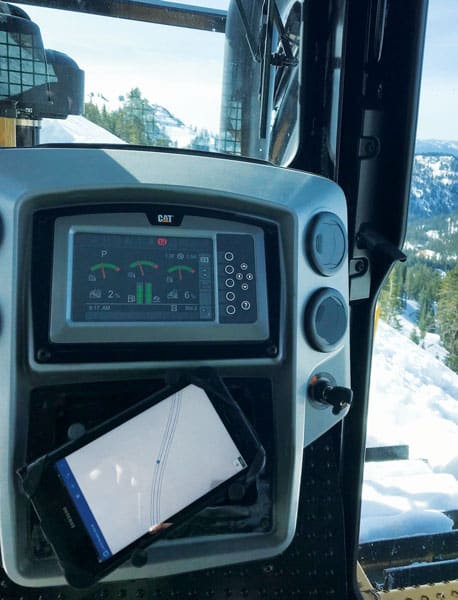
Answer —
251 240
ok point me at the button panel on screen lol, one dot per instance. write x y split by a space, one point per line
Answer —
236 279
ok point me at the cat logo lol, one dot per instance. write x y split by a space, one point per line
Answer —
165 219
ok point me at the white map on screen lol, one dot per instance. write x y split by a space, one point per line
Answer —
144 471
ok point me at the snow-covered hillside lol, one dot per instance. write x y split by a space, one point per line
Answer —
76 129
413 401
434 185
174 128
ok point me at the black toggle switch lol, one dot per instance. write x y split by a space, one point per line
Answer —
322 390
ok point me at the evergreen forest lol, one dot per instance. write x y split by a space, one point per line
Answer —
136 122
429 277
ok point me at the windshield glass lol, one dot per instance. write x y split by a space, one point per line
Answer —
409 517
218 77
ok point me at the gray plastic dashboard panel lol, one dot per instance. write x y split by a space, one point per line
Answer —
34 179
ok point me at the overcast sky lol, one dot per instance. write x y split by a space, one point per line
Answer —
182 69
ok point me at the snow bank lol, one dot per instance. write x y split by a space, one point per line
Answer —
404 498
73 130
404 524
413 401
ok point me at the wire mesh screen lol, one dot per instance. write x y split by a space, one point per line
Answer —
23 63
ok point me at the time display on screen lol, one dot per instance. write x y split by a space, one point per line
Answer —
132 277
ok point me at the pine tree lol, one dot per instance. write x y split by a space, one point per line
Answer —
420 277
447 315
426 319
414 336
201 141
392 297
92 113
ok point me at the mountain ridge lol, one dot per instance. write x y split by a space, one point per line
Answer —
432 146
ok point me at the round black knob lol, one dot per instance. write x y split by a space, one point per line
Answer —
326 243
326 319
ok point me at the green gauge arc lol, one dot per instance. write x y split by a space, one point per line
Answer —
144 263
181 268
105 265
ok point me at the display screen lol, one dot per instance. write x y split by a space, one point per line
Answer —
134 478
141 278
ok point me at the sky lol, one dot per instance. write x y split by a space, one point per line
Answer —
182 69
439 96
179 68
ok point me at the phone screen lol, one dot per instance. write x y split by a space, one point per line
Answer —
135 477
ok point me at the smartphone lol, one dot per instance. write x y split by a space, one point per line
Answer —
127 481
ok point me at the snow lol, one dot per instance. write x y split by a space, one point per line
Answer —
429 254
408 323
452 226
405 497
413 522
181 136
408 383
75 129
436 167
413 401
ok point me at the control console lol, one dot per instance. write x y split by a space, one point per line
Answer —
121 268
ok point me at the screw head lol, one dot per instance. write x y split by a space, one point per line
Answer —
43 355
272 350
